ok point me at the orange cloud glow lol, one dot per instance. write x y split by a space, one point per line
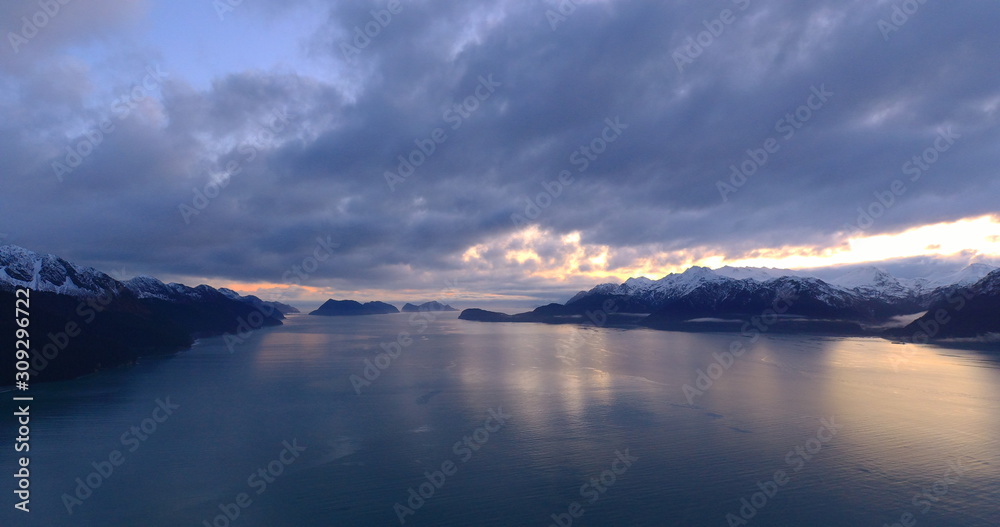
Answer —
972 236
564 260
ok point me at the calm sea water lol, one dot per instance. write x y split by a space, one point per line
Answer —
864 431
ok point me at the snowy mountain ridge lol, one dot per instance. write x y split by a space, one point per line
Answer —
46 272
866 283
20 267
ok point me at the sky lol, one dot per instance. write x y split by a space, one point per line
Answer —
504 151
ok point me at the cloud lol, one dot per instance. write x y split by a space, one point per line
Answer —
35 30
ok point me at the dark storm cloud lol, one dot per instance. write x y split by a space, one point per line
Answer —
311 154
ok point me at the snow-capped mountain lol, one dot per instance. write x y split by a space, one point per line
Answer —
989 285
877 283
255 301
968 276
148 287
135 318
761 274
873 282
861 293
969 311
805 296
49 273
655 292
20 267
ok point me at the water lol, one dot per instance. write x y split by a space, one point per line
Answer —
906 418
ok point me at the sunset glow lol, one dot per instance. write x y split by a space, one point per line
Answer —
572 262
971 237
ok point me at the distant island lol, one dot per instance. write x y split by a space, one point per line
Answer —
427 306
346 308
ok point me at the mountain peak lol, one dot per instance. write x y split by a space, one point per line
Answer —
433 305
990 284
20 267
760 274
864 276
352 307
697 270
967 276
855 284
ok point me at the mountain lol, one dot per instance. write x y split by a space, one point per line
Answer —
48 273
45 272
148 287
865 293
966 277
877 282
427 306
202 310
808 297
262 305
82 320
552 314
700 292
74 336
701 299
761 274
642 295
482 315
972 311
337 308
872 282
